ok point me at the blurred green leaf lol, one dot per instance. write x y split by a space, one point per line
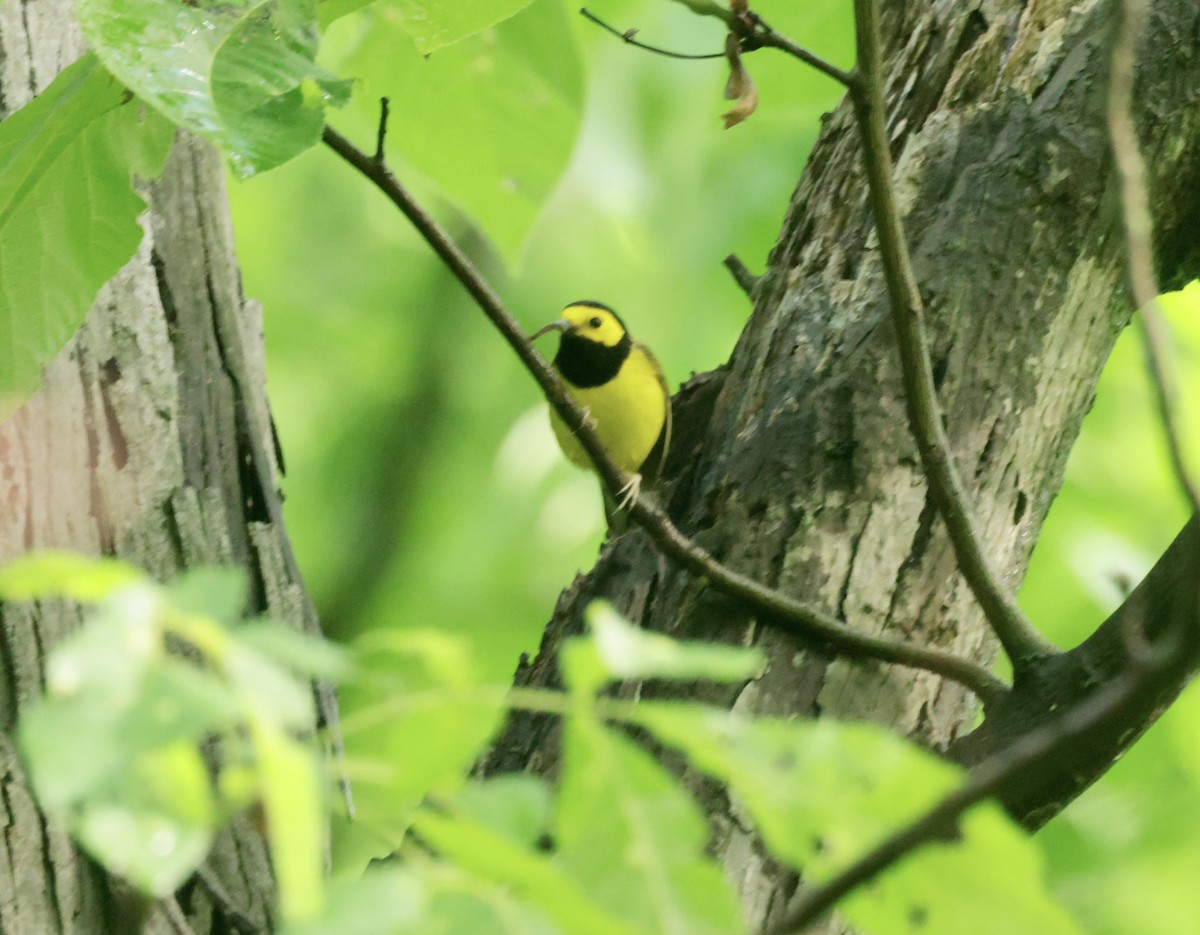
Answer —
517 807
437 23
491 119
822 793
383 901
532 877
300 652
420 714
67 161
219 592
158 826
629 652
354 845
265 686
291 788
988 883
82 744
49 574
633 836
241 74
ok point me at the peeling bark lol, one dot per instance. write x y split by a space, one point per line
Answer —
149 439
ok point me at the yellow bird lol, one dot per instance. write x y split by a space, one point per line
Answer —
622 387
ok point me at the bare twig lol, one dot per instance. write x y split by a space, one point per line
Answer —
627 36
754 33
1023 644
741 275
381 133
1139 234
777 609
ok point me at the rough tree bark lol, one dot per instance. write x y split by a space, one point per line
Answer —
794 463
149 439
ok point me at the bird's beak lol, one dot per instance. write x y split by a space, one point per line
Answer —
559 324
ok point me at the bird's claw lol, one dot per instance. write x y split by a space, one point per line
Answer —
627 496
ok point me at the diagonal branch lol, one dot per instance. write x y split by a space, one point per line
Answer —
1022 643
1150 662
1139 233
777 609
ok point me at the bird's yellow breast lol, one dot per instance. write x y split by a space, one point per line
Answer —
629 411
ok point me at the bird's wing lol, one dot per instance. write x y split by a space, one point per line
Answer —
664 444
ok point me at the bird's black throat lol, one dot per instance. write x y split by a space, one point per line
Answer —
585 363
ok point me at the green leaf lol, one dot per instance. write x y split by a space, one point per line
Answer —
630 832
217 592
514 806
241 73
492 120
414 721
66 164
629 652
531 876
291 786
158 826
49 574
819 791
354 845
822 793
268 687
437 23
383 901
940 889
300 652
81 745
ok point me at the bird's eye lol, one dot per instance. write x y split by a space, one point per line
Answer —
595 322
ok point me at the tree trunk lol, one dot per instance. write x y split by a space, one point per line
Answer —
795 464
149 439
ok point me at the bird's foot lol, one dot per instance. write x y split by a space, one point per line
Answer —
628 495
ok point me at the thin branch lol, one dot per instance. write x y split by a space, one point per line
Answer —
941 823
230 911
754 33
776 608
741 275
627 35
1023 644
1139 234
381 133
175 915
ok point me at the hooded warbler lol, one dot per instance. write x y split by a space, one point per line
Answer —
622 386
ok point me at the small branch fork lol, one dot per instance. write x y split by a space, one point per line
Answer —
776 608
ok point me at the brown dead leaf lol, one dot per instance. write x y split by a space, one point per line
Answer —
740 87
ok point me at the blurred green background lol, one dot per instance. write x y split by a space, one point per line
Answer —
423 485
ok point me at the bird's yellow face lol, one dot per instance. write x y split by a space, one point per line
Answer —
594 323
